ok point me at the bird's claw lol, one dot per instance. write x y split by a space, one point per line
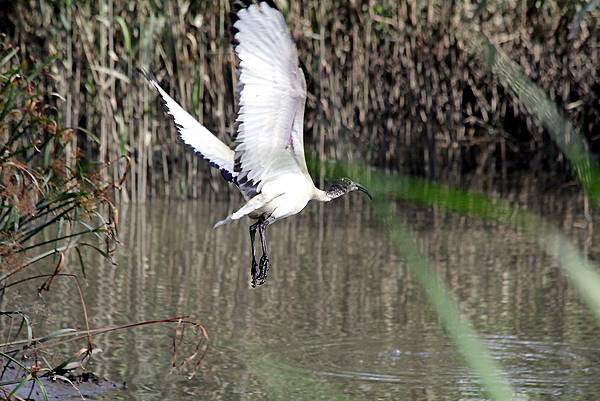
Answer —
263 269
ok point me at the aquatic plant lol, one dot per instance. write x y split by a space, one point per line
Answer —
52 201
46 186
54 204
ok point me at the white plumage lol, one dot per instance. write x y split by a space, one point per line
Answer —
267 163
196 135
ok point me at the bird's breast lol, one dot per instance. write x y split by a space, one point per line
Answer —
291 195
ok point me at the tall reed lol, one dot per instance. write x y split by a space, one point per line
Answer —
392 83
53 203
45 184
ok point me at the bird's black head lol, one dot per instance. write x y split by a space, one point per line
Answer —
344 186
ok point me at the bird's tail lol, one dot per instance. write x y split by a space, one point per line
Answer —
223 222
253 204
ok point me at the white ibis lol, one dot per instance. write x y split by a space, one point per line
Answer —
267 162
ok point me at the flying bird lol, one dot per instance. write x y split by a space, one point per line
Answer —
267 161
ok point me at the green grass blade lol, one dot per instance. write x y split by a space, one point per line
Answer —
126 36
42 389
7 58
459 329
539 104
584 275
24 381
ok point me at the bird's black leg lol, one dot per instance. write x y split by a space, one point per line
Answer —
253 271
264 260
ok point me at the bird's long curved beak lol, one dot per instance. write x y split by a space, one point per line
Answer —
364 190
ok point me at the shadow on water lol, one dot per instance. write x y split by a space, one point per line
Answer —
340 317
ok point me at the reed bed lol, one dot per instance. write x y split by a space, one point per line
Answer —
45 184
55 204
395 84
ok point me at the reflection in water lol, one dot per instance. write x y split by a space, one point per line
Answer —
339 314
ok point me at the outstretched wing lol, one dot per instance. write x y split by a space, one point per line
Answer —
271 97
197 136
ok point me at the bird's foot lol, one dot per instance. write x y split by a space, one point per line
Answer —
253 272
263 269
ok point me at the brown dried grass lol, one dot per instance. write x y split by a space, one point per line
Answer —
391 83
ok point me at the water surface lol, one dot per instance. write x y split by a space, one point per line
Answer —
340 317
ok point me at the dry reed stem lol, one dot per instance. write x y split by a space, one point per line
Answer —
390 83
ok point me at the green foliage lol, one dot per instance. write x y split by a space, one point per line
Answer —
477 357
568 138
50 199
43 181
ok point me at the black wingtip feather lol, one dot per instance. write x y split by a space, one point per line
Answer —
233 17
143 72
227 175
147 75
237 165
271 4
240 5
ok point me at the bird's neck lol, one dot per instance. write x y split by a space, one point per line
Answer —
326 196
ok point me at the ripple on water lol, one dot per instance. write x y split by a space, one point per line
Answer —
533 366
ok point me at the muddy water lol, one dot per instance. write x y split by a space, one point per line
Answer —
340 317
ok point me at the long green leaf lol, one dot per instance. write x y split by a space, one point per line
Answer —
538 103
7 58
18 386
460 330
584 275
126 36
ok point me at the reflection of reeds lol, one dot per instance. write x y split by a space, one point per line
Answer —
392 83
353 282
